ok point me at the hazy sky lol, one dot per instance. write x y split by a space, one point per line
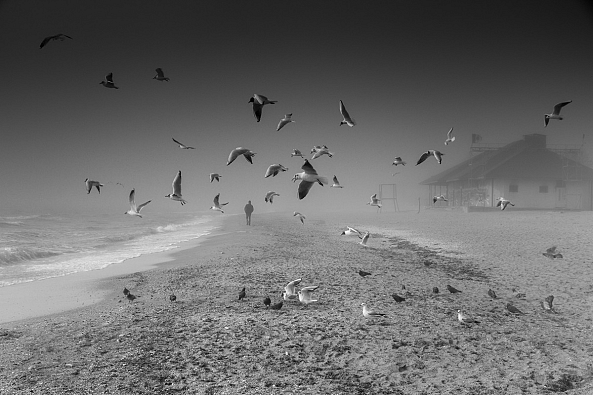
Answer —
407 71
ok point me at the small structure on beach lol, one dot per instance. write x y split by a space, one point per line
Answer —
528 172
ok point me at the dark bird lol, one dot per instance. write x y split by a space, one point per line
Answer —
435 290
398 298
90 184
437 155
130 297
259 102
267 301
172 298
277 306
347 118
363 273
513 309
503 203
242 293
547 304
452 290
492 294
60 37
108 83
160 76
126 291
556 113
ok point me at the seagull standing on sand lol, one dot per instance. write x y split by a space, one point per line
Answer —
375 201
135 210
176 195
437 155
60 37
398 298
160 76
308 178
351 232
465 319
182 146
365 239
247 153
301 216
511 308
547 304
277 306
492 294
450 138
556 113
453 290
503 203
217 205
367 313
267 301
242 294
215 176
305 294
363 274
274 169
108 83
290 289
270 197
398 161
439 198
347 119
90 184
296 152
287 119
259 102
336 183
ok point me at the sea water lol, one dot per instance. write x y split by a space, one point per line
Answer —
35 247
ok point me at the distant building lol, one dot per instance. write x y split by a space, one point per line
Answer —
526 172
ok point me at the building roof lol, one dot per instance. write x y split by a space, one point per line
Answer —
524 159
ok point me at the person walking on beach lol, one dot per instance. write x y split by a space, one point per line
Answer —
248 211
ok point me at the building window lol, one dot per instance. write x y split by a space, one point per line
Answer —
543 189
513 188
560 184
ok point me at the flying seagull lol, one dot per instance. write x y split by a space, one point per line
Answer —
248 154
60 37
182 146
217 205
367 313
317 151
108 83
135 210
274 169
287 119
305 294
259 102
215 176
503 203
439 198
270 197
290 290
551 253
351 232
365 239
398 161
450 138
347 119
160 76
296 152
556 113
90 184
336 183
301 216
437 155
308 178
375 201
176 195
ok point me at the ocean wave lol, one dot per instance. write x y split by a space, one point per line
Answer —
11 255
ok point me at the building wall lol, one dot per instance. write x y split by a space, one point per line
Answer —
575 195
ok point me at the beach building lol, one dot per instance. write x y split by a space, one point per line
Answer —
527 172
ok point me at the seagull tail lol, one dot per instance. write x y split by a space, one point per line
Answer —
323 180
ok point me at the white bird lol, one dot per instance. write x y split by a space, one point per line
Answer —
368 313
556 113
347 119
301 216
398 161
215 176
305 294
90 184
450 138
217 205
365 239
318 151
160 76
182 146
135 210
439 198
287 119
336 183
351 232
308 178
375 201
108 83
290 290
296 152
259 102
465 319
503 203
270 197
60 37
248 154
274 169
176 195
437 155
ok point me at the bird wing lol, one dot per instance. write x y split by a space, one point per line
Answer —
247 156
159 73
234 154
336 180
304 188
143 204
559 106
343 111
131 199
177 184
449 133
181 145
308 168
216 203
423 157
438 156
257 109
109 77
45 41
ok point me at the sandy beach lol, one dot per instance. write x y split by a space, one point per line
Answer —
209 342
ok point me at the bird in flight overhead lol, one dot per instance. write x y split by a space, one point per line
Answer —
398 161
450 138
182 146
274 169
135 210
160 76
556 113
300 216
287 119
108 83
317 151
176 195
375 201
270 197
248 154
90 184
308 178
336 183
347 119
60 37
437 155
296 152
259 102
215 176
217 205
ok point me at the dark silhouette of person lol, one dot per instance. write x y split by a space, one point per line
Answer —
248 211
